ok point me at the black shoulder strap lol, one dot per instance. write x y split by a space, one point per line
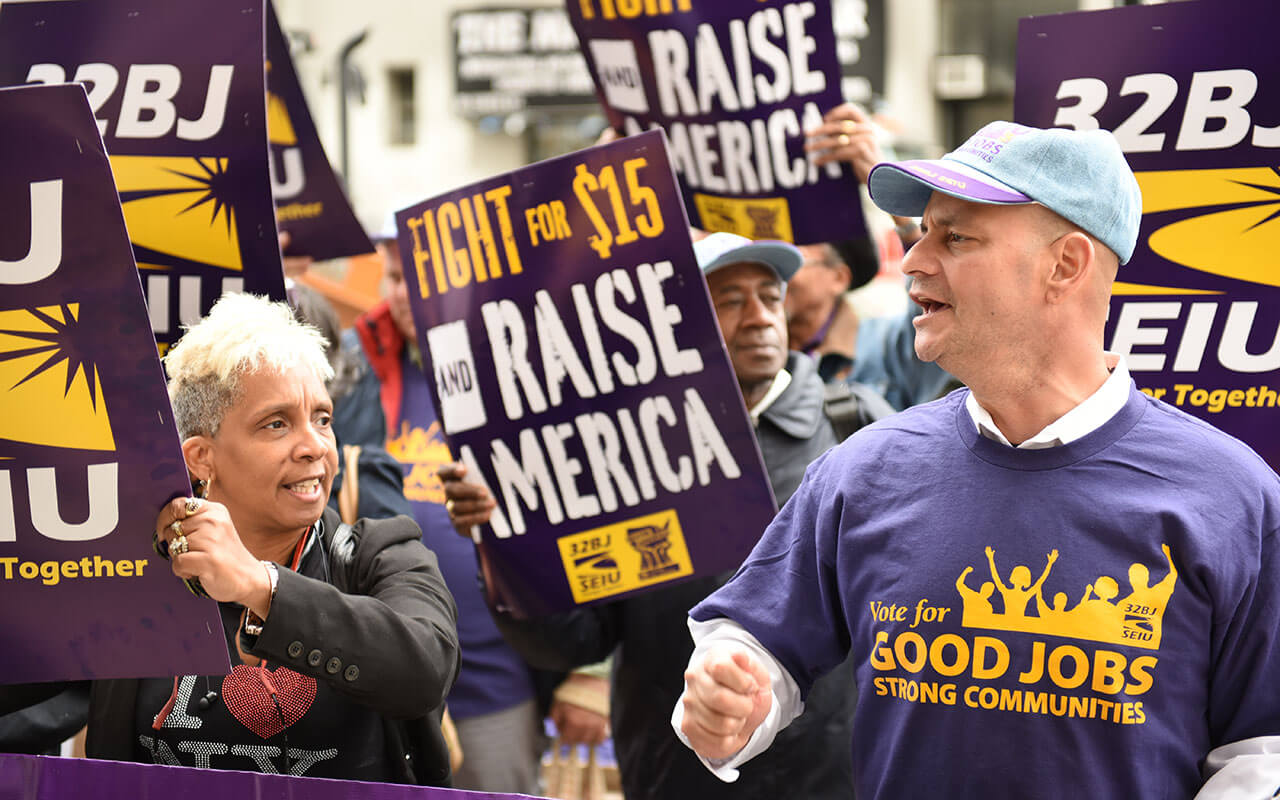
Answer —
849 409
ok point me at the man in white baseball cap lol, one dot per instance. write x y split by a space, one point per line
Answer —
1141 661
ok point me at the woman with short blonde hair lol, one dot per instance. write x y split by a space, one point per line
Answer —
343 638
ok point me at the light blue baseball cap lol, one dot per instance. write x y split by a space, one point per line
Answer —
722 249
1080 175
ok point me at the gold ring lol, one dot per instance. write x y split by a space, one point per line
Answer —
448 506
849 126
176 527
179 545
843 139
193 505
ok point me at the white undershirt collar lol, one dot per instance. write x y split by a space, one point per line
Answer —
1091 414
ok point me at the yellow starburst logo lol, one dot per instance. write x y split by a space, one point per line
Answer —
180 208
1236 237
50 389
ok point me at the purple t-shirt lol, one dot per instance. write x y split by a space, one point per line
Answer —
493 677
1122 623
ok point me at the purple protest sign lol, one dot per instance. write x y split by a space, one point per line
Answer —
177 89
310 204
734 85
578 370
45 778
1192 96
88 448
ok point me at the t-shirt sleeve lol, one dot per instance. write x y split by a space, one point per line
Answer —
1244 702
786 593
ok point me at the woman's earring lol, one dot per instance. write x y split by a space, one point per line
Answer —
202 488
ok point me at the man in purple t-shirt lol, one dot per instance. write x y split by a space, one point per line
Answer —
1051 584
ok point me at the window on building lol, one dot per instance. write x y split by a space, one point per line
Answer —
987 28
404 118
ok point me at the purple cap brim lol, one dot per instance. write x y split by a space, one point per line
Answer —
904 187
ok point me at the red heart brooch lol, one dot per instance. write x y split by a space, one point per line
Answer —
247 692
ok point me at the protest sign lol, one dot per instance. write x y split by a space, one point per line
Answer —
578 371
735 86
44 778
1196 109
310 203
177 90
88 448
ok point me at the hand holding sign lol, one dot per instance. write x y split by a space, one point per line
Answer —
468 504
212 553
846 134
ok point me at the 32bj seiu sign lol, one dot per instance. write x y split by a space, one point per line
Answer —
579 373
88 448
177 90
310 203
1191 91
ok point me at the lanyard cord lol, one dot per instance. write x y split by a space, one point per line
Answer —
260 671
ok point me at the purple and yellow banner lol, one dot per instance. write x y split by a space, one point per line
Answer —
734 85
88 448
45 778
578 371
177 90
1192 95
310 203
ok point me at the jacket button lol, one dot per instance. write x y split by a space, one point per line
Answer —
315 657
295 649
333 666
352 673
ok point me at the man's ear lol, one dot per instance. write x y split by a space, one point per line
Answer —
197 451
1075 258
844 276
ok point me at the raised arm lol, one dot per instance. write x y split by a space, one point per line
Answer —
1172 577
995 576
1053 556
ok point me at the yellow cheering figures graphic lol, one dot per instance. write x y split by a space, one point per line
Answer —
427 452
50 392
1100 614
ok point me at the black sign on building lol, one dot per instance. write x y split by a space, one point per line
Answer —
860 33
510 59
